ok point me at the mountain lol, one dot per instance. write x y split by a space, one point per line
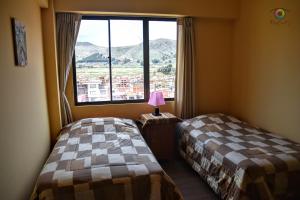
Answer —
84 44
161 50
86 49
95 57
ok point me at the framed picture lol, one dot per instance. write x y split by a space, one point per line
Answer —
19 41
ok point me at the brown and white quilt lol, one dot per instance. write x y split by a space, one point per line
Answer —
240 161
103 158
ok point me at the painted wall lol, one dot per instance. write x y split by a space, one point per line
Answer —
213 64
51 70
24 127
266 71
196 8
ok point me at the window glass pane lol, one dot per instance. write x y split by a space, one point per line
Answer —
127 59
92 64
162 50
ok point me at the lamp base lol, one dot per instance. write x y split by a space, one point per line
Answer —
156 112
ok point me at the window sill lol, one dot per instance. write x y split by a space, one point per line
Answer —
102 103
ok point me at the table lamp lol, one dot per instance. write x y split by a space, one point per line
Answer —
156 99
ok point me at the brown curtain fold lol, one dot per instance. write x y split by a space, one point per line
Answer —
185 101
67 28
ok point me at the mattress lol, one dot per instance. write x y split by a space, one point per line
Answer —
240 161
103 158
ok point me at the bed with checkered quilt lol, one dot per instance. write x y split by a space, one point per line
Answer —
103 158
240 161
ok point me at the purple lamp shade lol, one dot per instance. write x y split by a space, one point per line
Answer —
156 99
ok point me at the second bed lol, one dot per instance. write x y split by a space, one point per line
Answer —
240 161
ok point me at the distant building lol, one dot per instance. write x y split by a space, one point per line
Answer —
123 88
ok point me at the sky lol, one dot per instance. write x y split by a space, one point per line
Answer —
123 32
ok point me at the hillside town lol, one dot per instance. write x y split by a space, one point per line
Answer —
123 87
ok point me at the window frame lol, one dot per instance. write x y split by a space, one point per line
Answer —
146 55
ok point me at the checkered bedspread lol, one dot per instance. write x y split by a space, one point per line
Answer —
103 158
240 161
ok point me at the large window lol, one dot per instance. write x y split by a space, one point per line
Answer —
119 60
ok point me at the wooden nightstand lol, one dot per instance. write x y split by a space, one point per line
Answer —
159 133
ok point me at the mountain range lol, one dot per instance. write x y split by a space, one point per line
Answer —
161 51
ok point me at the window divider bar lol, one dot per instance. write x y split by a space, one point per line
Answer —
109 61
146 59
74 78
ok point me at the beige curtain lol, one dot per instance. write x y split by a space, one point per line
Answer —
67 27
185 101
